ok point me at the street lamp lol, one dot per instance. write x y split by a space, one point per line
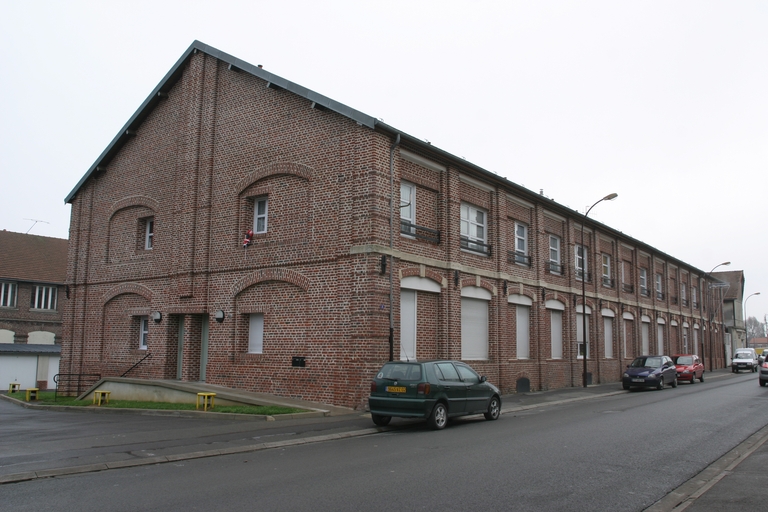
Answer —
711 315
746 329
609 197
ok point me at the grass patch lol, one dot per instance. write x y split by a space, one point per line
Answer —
47 398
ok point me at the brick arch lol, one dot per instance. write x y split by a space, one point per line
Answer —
271 274
428 273
274 169
139 200
472 281
124 288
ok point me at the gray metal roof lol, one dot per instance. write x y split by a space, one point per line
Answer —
170 79
27 349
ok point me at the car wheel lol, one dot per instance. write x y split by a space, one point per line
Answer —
693 379
381 421
660 385
494 409
701 378
674 382
762 383
439 417
626 388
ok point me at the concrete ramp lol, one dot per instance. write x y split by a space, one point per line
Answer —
174 391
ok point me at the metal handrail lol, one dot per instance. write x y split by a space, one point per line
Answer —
83 380
410 229
149 354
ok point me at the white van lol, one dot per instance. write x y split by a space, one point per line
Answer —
744 359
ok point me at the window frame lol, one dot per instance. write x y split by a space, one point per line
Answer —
263 216
256 339
556 264
408 208
149 233
584 262
606 260
474 243
9 294
521 256
143 332
49 301
659 286
643 276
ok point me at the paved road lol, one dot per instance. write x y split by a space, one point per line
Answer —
572 449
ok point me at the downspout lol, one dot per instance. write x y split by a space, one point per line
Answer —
392 246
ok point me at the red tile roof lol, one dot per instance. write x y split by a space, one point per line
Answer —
32 257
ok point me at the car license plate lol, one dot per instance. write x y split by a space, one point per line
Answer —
638 380
395 389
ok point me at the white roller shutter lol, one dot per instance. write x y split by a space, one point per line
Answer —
474 328
407 325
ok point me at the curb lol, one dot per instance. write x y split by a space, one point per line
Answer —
686 494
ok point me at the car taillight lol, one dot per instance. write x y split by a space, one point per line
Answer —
373 386
765 364
423 388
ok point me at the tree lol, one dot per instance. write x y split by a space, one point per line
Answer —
755 328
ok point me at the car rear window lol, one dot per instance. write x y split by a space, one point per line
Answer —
400 371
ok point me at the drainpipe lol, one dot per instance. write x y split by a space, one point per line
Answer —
392 246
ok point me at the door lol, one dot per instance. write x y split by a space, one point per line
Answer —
453 387
478 393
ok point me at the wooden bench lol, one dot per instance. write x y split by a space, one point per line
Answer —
13 387
32 394
98 395
208 399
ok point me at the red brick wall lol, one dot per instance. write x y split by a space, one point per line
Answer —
223 138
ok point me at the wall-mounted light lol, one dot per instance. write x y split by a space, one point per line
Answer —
157 316
219 316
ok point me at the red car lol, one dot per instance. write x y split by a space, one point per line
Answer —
689 367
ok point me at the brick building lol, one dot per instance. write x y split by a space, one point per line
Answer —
33 271
462 264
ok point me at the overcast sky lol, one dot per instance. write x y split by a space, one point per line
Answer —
664 103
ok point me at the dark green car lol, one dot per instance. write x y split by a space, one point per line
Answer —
435 390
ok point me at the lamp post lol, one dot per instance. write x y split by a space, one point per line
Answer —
746 329
711 315
609 197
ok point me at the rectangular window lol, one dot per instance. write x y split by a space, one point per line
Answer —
608 336
149 233
580 334
555 265
695 297
607 281
474 229
580 260
8 295
256 334
684 294
143 332
523 332
44 297
556 322
643 282
521 244
260 211
407 208
659 287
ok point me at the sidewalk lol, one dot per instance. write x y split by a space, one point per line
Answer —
734 482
